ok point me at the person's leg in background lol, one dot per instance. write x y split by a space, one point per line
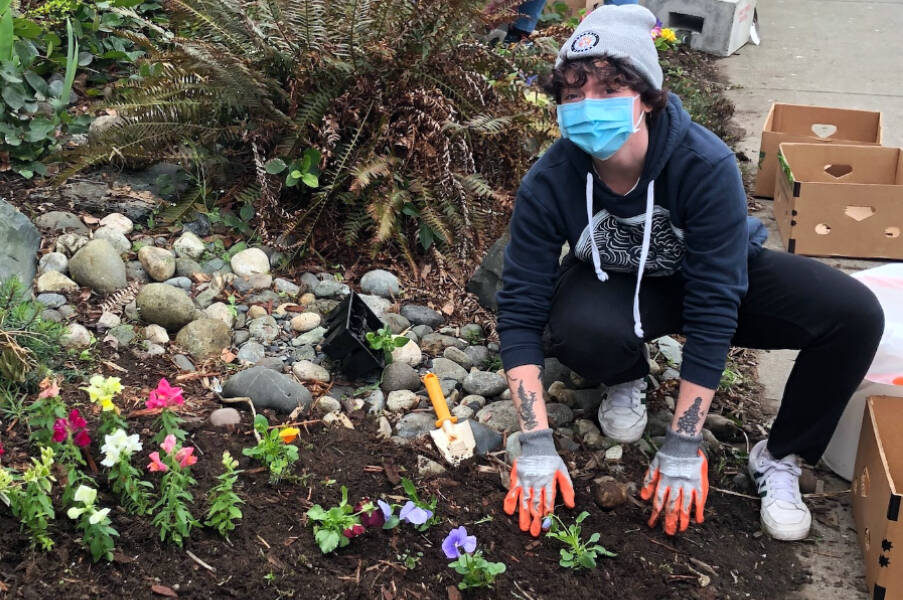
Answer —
525 24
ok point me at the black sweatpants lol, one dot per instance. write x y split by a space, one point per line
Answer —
793 302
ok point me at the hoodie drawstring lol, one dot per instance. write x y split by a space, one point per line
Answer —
644 251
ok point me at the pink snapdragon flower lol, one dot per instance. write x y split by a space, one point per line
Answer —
156 464
186 457
168 443
165 395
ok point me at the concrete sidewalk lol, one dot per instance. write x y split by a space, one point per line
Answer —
843 53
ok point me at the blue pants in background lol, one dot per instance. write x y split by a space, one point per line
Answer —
531 10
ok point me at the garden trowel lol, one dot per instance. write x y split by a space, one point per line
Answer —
454 440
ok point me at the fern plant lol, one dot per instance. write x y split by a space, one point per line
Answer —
28 342
422 131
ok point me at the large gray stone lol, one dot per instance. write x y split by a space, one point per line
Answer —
459 356
54 281
52 261
436 343
380 282
263 329
19 242
399 376
159 263
204 338
396 322
58 220
165 305
116 238
98 266
251 352
559 414
415 424
422 315
479 355
487 279
448 369
268 389
501 416
484 383
487 439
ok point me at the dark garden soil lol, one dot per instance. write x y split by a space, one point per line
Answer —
272 554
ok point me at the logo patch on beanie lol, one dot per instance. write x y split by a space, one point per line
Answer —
585 42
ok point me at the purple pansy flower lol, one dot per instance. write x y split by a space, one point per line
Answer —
458 539
386 508
413 514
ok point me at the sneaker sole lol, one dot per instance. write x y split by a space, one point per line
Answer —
626 436
785 534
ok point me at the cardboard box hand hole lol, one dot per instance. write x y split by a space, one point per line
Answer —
859 213
892 232
822 229
824 130
838 171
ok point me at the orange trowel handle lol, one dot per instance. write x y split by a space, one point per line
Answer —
438 399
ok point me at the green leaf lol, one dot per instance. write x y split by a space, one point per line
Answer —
247 212
275 166
6 31
37 82
593 538
316 513
328 540
14 95
409 488
581 517
296 174
310 180
587 561
566 555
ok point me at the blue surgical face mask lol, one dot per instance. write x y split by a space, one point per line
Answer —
599 126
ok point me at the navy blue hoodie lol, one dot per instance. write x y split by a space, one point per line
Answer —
700 229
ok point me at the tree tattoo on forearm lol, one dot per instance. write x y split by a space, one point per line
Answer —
690 419
527 400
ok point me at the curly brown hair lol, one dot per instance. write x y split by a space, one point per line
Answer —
615 71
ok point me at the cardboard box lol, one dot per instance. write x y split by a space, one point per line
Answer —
835 200
810 124
718 27
877 495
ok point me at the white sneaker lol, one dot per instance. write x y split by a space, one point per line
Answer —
784 516
622 414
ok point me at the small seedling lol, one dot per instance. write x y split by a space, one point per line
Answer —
383 339
409 559
335 527
577 554
224 511
274 449
476 571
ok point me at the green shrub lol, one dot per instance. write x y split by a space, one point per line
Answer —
28 343
419 128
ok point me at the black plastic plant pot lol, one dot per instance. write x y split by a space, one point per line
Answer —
346 330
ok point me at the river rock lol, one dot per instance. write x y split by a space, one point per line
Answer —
263 329
306 370
330 288
284 286
134 271
559 414
109 320
189 246
204 338
251 352
512 447
427 467
395 322
119 222
223 312
562 394
252 261
186 267
723 428
459 356
381 283
415 424
51 300
268 389
70 243
487 439
59 220
20 240
408 354
156 334
422 315
159 263
472 332
609 494
462 412
485 383
402 400
399 376
165 305
115 237
325 405
501 416
225 417
76 336
310 338
479 355
670 349
436 343
54 281
305 322
447 369
98 266
377 304
52 261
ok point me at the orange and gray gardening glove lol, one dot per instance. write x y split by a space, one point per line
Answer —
678 482
535 475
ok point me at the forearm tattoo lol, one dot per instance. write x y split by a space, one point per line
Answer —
690 419
527 400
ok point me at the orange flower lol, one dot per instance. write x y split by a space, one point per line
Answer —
49 388
289 434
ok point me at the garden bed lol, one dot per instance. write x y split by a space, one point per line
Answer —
273 553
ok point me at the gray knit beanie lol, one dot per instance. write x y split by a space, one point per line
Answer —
621 32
